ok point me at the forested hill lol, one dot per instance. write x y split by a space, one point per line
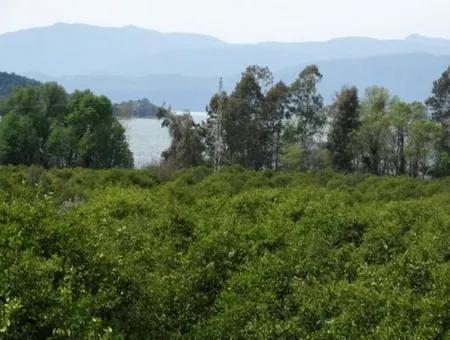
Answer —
141 108
10 81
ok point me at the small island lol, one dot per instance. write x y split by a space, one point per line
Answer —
141 108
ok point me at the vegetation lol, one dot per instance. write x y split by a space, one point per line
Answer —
135 254
141 108
186 147
45 126
347 242
259 125
10 81
262 125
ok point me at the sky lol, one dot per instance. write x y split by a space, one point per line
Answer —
242 21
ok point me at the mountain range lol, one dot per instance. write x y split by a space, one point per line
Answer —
183 69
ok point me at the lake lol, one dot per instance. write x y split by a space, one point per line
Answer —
147 139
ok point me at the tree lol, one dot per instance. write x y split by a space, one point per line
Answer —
94 130
19 141
423 146
305 107
118 150
292 157
214 130
263 76
246 136
24 129
374 133
275 106
45 127
186 148
345 110
439 104
61 147
403 115
55 100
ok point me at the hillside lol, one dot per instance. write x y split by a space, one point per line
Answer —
8 82
56 49
135 51
234 254
409 76
183 70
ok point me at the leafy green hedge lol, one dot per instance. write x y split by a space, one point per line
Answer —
142 254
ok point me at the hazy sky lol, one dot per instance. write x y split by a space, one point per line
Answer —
242 20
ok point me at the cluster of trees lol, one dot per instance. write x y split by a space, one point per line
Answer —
235 254
141 108
45 126
262 125
8 83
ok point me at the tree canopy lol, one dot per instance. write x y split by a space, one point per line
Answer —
45 126
267 125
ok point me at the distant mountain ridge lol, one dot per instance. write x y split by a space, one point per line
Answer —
183 69
70 49
408 76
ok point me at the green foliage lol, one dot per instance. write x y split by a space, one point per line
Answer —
422 149
262 125
44 126
250 126
10 81
133 254
275 106
19 140
439 103
344 125
186 147
305 105
292 157
244 125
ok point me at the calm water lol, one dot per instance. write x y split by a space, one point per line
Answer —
148 139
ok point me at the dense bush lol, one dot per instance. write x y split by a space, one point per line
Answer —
111 254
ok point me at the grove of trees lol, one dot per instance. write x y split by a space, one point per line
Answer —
45 126
267 125
259 125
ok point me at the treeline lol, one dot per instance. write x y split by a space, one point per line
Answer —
141 108
43 125
262 125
